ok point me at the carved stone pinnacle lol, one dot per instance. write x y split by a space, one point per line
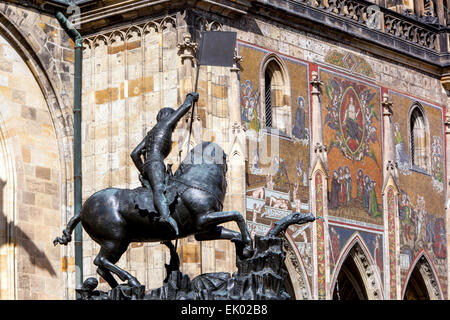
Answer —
187 48
387 105
236 60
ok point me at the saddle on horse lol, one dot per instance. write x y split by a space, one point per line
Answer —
143 196
175 187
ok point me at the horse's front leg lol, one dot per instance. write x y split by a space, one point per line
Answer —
211 219
219 233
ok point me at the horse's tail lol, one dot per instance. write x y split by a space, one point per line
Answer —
67 237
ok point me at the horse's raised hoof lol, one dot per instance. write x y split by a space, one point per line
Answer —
248 252
243 251
171 223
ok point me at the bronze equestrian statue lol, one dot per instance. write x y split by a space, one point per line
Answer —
194 195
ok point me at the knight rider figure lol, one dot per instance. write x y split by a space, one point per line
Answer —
155 147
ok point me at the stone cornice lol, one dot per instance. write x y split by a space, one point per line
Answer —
46 6
394 37
96 15
397 37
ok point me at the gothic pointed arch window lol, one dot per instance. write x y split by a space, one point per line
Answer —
419 138
422 283
276 97
416 288
357 277
349 284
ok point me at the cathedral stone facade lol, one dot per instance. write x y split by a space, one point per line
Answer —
332 107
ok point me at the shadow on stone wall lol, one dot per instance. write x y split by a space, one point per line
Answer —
36 256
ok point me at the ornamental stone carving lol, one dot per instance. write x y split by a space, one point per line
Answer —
187 48
368 270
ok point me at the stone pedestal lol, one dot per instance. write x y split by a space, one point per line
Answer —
260 277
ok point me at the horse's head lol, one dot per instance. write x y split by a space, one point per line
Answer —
206 153
206 161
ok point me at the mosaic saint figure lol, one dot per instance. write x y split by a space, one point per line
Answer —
430 229
280 171
436 150
377 253
253 115
360 185
335 244
436 162
408 221
439 244
374 209
343 187
301 172
254 164
366 191
299 127
348 181
244 112
299 169
401 207
400 154
297 201
269 182
350 121
368 115
334 193
249 103
420 216
407 207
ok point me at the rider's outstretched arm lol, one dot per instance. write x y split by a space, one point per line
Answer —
136 155
183 109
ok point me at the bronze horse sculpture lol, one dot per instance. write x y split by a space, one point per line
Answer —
114 217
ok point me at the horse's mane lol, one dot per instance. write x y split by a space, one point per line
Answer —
205 165
205 153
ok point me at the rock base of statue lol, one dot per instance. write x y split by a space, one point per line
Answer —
260 277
